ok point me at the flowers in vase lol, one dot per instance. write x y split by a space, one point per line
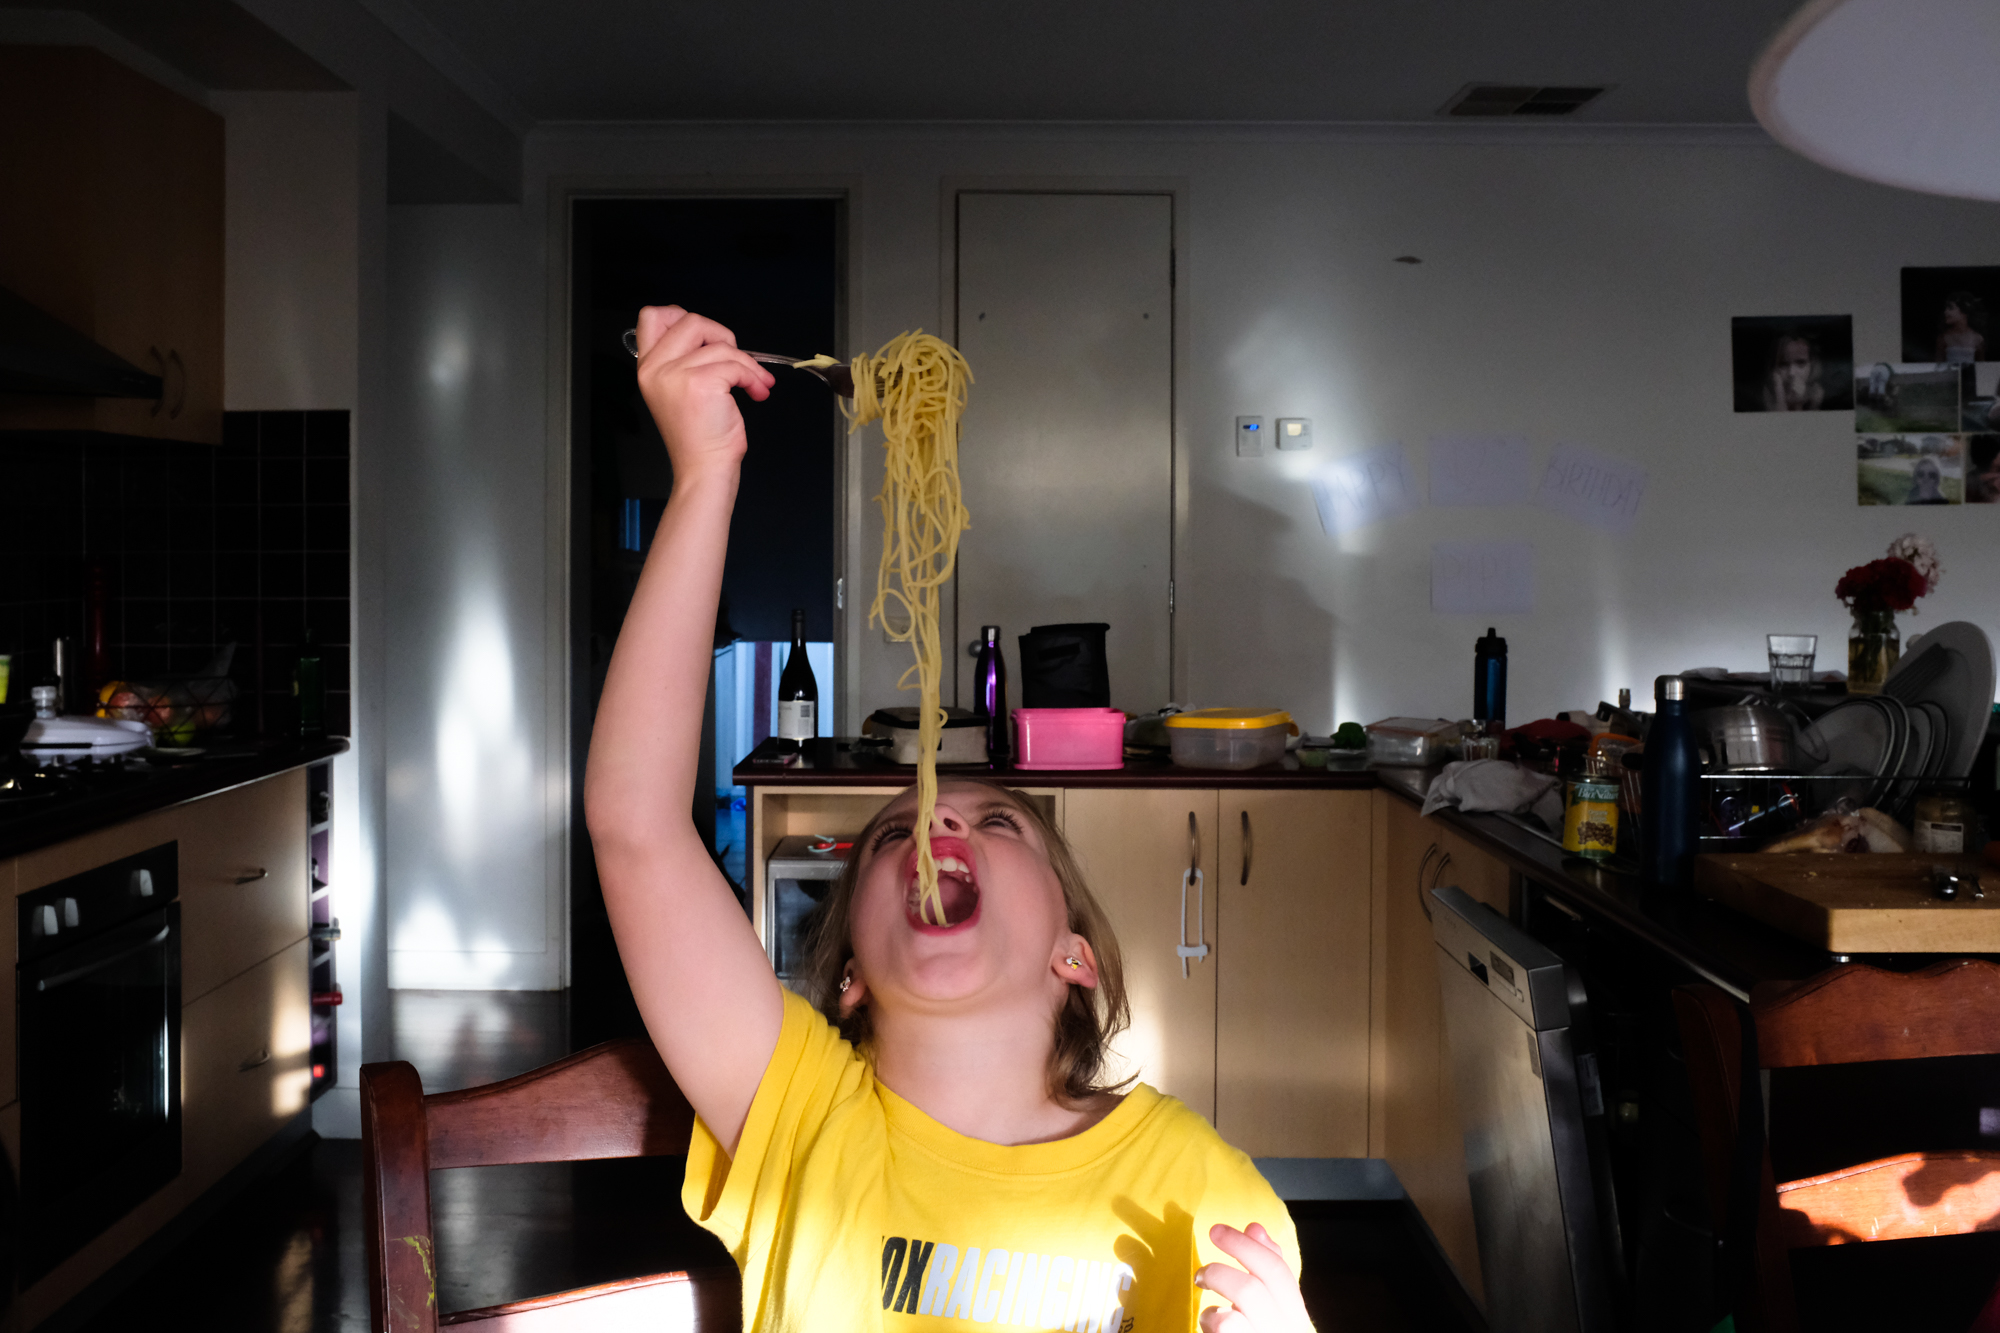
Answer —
1910 570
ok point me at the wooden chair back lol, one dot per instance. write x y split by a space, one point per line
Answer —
614 1100
1847 1015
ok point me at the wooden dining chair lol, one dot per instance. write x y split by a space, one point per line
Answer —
1846 1015
614 1100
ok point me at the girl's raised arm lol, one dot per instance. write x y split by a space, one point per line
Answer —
702 981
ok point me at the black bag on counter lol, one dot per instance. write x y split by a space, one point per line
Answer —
1063 666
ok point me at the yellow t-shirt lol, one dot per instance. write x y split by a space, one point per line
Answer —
848 1208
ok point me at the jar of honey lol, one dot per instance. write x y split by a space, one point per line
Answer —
1590 811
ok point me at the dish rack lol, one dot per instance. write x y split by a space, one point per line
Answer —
1745 811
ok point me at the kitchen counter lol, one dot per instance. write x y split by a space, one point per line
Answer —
110 792
840 762
1717 943
1704 938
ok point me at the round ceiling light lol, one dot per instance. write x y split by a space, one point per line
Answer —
1902 92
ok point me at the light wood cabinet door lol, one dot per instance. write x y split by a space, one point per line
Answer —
1138 846
246 1050
1292 973
1422 1136
243 863
111 220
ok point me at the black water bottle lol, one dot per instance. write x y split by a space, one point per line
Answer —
1489 683
1669 787
989 693
798 693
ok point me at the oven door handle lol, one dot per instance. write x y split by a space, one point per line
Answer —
78 973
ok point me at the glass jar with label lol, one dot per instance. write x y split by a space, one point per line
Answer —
1943 824
1590 811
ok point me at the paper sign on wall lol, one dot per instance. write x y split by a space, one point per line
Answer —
1482 578
1603 492
1364 488
1480 470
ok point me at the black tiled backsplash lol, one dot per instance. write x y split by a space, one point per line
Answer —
201 545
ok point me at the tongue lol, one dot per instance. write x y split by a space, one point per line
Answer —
958 897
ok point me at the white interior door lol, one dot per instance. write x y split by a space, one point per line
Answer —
1065 312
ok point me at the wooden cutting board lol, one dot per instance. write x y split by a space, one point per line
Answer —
1860 902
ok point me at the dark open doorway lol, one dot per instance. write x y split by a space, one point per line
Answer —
771 269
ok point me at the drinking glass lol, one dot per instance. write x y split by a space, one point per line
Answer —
1792 659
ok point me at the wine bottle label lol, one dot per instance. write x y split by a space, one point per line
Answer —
795 720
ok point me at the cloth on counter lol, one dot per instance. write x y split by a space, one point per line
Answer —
1485 785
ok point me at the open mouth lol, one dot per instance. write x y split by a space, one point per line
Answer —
958 887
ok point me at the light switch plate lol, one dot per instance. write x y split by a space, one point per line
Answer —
1295 433
1249 437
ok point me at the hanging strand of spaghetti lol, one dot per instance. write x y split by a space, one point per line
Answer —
916 386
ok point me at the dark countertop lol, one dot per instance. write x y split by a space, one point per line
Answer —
1718 943
113 793
838 762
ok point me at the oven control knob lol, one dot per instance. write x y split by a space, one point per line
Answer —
45 921
142 884
71 917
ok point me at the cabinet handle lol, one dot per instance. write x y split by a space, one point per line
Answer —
1437 877
161 362
1199 949
259 873
1246 849
1194 845
262 1056
1422 866
180 401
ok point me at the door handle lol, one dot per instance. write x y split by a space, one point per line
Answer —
1246 848
1422 866
259 873
180 399
1437 877
1194 845
260 1056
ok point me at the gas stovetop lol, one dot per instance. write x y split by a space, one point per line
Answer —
27 788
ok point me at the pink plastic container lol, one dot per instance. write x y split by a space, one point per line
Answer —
1069 738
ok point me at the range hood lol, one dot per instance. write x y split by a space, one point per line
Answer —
41 354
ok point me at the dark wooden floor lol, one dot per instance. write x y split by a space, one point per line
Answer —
286 1255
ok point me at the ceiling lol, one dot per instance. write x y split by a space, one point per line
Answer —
1671 61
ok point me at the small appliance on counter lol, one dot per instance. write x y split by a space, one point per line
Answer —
963 740
69 738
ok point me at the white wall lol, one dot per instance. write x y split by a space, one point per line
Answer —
1575 287
292 229
475 890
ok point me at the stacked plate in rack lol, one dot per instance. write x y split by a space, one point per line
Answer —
1926 725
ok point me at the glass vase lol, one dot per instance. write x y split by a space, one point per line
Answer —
1873 646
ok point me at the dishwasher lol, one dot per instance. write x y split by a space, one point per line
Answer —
1517 1038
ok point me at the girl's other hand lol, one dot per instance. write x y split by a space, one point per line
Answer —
1263 1295
687 366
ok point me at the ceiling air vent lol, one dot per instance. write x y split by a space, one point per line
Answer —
1509 99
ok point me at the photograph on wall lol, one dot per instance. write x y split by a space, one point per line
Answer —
1948 314
1982 469
1903 397
1910 469
1981 410
1792 363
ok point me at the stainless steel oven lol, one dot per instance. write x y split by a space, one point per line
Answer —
99 988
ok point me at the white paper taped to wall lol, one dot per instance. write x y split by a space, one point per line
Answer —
1480 470
1482 578
1364 488
1603 492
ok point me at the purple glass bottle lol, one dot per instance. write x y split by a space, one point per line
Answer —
989 694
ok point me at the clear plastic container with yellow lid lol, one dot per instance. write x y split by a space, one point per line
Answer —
1229 737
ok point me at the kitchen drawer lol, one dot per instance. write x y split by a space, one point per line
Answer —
243 879
245 1064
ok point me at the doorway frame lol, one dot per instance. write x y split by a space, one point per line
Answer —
567 723
1177 189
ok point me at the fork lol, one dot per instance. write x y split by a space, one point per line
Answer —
838 376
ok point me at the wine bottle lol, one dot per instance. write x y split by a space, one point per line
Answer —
989 693
798 692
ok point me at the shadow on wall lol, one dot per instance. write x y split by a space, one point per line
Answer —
1267 644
